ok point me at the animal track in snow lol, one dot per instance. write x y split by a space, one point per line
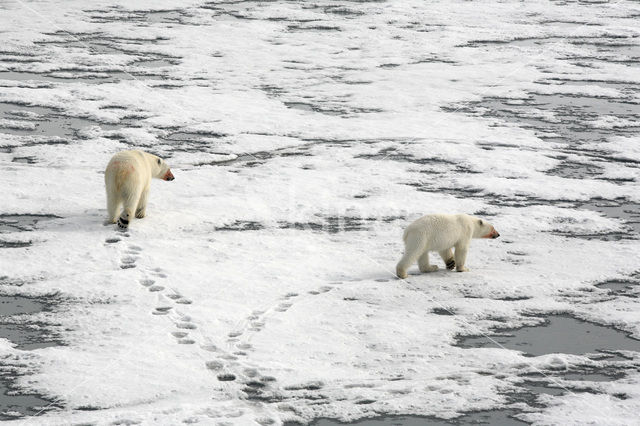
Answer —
226 377
178 298
164 305
256 321
283 307
214 365
128 261
321 290
229 357
209 348
225 364
186 325
147 282
159 272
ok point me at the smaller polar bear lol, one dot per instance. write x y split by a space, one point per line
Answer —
441 232
127 179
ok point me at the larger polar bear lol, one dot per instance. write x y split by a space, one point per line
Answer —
127 180
441 233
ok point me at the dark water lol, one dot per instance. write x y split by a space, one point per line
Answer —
19 326
502 418
26 334
20 305
572 128
625 210
567 120
14 405
625 288
558 334
20 223
54 125
564 335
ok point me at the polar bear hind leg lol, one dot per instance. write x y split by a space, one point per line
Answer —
423 263
447 256
414 246
113 205
130 201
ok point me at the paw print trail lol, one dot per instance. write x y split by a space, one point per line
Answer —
226 366
256 321
229 368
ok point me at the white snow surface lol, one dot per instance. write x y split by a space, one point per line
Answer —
302 114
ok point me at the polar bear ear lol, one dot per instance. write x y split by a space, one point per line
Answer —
159 161
480 222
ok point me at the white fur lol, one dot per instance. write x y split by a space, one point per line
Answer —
441 233
127 180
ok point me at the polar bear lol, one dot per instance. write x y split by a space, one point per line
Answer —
127 180
441 232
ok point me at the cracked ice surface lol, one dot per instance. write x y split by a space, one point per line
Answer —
303 138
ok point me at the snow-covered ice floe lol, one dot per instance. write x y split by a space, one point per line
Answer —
304 137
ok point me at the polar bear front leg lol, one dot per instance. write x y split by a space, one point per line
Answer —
141 211
461 256
423 263
447 256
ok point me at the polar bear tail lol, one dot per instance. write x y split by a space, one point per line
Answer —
404 235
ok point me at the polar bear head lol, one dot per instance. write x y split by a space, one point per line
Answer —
483 229
159 168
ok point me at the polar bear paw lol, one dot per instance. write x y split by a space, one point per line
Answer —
123 223
462 269
429 268
450 264
401 273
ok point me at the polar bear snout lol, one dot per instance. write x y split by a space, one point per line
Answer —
168 176
493 234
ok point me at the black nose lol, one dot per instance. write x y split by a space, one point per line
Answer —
171 178
496 236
